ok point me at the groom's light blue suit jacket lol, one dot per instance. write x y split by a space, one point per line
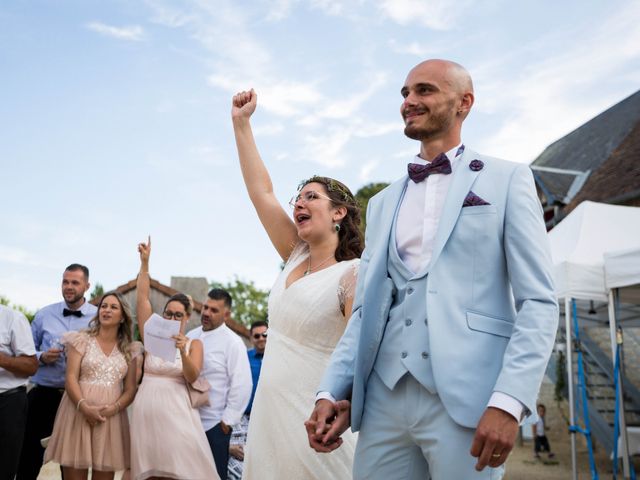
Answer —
492 314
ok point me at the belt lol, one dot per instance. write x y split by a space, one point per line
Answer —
44 387
11 391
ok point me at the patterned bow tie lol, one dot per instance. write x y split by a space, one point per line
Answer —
440 164
76 313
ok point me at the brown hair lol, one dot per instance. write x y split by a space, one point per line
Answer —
350 241
125 329
185 300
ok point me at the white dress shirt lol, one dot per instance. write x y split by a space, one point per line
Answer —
226 366
15 340
418 219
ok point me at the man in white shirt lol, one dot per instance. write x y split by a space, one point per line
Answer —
226 367
455 314
17 362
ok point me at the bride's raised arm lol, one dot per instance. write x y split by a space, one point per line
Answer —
278 225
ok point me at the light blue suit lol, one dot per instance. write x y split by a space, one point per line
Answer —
488 307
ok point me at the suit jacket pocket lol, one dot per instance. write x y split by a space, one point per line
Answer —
478 210
487 324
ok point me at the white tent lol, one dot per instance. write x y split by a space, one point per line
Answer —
595 249
579 244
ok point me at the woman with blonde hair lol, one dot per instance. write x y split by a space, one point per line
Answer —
91 429
167 437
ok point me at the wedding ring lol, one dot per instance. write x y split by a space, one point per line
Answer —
496 455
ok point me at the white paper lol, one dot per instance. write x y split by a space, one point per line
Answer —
157 337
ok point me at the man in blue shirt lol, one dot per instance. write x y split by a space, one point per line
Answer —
258 337
47 328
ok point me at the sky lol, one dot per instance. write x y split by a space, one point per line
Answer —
115 115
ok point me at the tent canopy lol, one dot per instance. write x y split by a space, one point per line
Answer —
582 241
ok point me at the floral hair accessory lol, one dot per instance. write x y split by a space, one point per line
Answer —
476 165
331 185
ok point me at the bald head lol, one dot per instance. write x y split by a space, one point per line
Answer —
452 74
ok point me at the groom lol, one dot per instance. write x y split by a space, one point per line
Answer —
454 316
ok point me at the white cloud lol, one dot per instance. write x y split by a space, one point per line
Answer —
279 9
133 33
547 100
268 130
434 14
346 108
366 170
417 49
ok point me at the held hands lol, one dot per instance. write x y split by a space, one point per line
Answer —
327 423
244 104
494 438
92 413
236 451
144 249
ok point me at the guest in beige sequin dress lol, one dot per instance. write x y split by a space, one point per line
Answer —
167 437
91 429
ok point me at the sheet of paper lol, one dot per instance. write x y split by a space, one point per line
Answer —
157 337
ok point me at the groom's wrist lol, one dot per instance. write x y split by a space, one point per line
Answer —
325 396
507 403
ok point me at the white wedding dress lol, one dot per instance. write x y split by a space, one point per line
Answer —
305 324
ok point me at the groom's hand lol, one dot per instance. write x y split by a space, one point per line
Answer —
495 436
323 436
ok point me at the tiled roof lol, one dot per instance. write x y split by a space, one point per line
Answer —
588 147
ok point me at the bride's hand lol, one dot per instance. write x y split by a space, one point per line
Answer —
244 104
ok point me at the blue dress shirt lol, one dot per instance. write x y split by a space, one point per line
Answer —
47 328
255 362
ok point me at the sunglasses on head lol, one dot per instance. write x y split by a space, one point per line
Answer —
257 336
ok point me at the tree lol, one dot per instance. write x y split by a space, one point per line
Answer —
364 195
249 301
97 292
27 313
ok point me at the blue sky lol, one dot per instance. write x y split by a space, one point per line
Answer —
115 123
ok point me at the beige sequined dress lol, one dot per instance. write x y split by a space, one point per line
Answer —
74 443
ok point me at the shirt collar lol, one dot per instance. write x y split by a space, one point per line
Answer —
451 155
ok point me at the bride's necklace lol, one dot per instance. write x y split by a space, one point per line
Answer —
311 270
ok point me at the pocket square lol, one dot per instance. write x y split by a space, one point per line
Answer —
473 200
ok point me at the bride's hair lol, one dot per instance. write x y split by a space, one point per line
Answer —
350 241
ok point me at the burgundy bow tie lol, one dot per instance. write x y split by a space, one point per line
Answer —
440 164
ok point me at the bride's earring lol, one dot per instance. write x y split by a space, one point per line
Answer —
336 227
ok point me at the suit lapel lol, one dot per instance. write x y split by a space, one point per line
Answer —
379 239
461 183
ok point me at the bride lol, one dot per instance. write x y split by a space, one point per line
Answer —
309 306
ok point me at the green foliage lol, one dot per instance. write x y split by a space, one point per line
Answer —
97 292
249 302
364 195
27 313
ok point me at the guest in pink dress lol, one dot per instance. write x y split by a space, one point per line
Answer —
91 428
167 437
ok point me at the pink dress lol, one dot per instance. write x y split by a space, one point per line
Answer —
74 443
167 437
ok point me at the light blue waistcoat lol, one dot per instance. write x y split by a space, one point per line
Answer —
405 345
